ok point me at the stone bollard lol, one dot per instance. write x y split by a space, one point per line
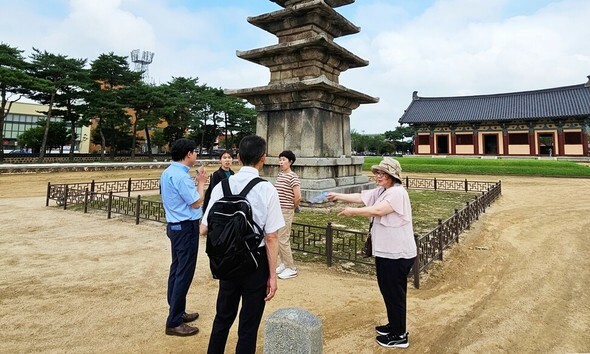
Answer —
292 331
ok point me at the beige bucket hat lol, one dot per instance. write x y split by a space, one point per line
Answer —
389 166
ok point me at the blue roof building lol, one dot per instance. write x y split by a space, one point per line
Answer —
551 121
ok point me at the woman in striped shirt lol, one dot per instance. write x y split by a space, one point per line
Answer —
289 188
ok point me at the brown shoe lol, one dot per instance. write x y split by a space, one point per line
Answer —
183 330
189 317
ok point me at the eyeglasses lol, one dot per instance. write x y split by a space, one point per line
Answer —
380 174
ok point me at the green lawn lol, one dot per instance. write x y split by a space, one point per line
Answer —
520 167
427 207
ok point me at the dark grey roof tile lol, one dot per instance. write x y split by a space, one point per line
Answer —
567 101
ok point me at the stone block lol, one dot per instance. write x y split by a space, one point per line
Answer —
293 330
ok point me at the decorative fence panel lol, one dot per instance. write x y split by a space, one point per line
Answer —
325 241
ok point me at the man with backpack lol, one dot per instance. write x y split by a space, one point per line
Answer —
182 203
257 284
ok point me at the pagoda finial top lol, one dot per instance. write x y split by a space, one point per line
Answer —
332 3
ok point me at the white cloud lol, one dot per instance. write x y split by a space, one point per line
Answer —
457 49
453 47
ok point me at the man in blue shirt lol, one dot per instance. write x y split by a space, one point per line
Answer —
182 203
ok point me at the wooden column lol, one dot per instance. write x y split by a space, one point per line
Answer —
560 140
533 148
453 141
431 141
475 140
504 139
584 139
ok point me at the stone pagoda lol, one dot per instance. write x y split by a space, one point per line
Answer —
304 108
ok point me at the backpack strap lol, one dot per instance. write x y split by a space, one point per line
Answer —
227 190
250 185
225 186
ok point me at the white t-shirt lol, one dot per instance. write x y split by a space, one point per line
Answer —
392 234
264 199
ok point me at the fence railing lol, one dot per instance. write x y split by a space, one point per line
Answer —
324 241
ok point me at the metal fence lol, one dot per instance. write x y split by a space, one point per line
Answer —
324 241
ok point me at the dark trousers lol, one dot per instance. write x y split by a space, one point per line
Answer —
184 239
392 277
251 289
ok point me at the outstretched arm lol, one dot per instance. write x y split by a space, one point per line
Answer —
272 250
343 197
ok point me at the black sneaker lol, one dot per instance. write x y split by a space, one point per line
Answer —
391 341
383 330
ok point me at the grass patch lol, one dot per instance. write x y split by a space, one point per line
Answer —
517 167
427 207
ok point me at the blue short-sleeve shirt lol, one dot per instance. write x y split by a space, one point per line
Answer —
179 193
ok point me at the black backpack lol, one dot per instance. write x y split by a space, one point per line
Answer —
233 238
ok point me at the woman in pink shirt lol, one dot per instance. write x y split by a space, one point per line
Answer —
394 246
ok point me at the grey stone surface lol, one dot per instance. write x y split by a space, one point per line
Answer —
292 331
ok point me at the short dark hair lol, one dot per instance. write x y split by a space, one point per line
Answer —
251 149
289 155
225 152
181 147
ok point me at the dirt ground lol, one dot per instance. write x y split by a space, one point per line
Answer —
517 282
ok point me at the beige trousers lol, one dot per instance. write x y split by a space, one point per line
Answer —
285 255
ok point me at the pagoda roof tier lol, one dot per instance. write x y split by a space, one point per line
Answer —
333 3
266 56
315 12
312 90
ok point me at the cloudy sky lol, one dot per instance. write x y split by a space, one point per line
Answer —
435 47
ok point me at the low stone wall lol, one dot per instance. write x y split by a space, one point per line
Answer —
90 166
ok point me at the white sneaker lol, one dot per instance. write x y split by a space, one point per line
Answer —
280 268
288 273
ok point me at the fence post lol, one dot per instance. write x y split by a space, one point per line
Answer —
137 210
416 266
129 188
48 191
440 239
457 231
85 200
407 182
329 244
92 187
66 197
435 184
466 186
110 204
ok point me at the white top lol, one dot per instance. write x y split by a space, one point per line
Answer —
392 234
264 199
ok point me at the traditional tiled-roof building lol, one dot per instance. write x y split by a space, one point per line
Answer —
542 122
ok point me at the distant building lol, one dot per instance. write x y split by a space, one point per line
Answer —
551 122
23 116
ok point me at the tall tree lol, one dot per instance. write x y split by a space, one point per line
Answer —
15 82
145 100
64 76
239 121
111 72
215 105
185 104
400 138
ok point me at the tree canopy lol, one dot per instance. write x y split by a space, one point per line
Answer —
108 95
